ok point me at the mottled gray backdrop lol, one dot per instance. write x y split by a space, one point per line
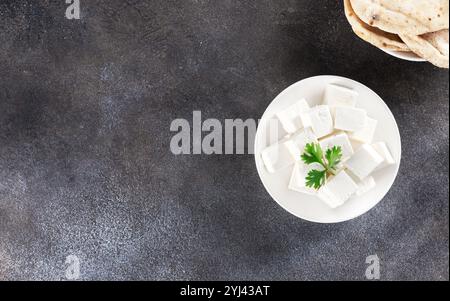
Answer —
85 166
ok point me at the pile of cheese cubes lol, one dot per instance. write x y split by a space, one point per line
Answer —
338 122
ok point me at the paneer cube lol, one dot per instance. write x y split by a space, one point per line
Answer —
383 150
319 120
350 119
338 96
290 117
365 135
338 190
364 162
365 186
302 138
280 156
298 178
341 140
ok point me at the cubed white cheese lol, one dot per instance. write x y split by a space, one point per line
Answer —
298 178
290 117
280 155
302 138
350 119
338 96
338 190
365 134
364 161
338 140
320 120
355 144
383 150
365 186
325 196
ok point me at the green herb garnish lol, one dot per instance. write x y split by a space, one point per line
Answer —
329 161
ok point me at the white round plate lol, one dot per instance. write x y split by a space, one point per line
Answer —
310 207
407 56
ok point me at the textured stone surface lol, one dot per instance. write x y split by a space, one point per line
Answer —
85 166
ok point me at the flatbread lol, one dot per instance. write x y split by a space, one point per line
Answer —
373 35
410 17
423 47
439 40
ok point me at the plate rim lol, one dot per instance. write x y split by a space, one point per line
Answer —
401 56
397 132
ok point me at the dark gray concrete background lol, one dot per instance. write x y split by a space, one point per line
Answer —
85 166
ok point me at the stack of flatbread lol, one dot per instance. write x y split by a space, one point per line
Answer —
419 26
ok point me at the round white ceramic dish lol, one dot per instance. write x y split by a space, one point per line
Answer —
407 56
310 207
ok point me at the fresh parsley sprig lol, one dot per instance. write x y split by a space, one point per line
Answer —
329 161
316 178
